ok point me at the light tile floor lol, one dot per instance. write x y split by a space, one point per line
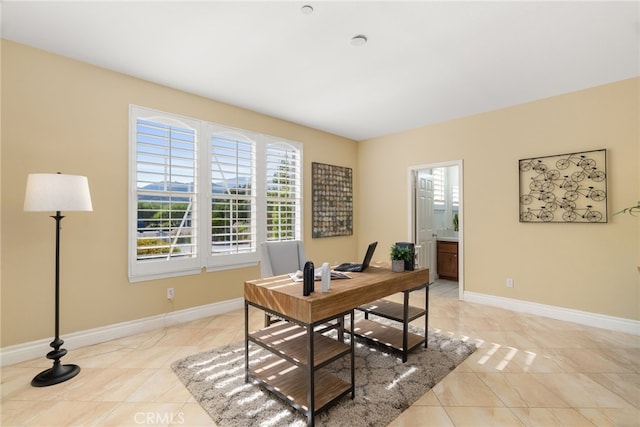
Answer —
527 371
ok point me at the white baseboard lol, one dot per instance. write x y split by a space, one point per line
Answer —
34 349
576 316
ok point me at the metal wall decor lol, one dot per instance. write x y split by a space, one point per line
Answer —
564 188
332 192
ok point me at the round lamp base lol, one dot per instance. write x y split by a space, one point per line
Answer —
57 374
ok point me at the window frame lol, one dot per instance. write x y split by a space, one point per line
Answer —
204 258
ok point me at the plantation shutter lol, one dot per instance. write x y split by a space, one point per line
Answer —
438 187
455 195
284 192
233 194
165 193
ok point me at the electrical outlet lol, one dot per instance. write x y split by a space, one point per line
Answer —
509 282
170 293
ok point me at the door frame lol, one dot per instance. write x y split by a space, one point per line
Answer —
411 210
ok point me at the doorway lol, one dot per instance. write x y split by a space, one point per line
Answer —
434 203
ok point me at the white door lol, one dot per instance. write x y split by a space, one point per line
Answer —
424 232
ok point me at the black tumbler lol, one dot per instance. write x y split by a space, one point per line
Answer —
307 278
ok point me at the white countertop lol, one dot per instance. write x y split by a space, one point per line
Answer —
447 235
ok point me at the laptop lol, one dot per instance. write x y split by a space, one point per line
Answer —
359 267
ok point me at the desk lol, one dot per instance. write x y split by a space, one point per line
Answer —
300 350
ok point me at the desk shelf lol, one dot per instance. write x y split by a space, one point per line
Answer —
401 341
392 310
386 335
289 341
291 385
295 373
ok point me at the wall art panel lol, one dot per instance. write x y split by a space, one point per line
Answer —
568 188
332 191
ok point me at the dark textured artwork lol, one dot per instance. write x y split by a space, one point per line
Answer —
332 191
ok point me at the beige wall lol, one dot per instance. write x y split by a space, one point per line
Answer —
59 114
64 115
588 267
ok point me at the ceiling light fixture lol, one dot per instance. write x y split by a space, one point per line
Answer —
359 40
306 9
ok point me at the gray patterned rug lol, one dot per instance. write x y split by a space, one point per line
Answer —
384 385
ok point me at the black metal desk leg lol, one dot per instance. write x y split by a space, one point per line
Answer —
426 315
353 359
405 327
246 341
310 379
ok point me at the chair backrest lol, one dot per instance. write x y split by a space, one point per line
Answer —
281 257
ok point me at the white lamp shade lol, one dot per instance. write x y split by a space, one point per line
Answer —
57 192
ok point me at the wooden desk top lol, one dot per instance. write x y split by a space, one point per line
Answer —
284 296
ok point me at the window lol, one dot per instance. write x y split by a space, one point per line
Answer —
438 186
445 187
284 193
204 195
233 195
455 195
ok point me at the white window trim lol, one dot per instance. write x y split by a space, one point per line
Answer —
204 259
139 271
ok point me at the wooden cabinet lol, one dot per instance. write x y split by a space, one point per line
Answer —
448 260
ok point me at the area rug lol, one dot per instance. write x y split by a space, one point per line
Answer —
384 385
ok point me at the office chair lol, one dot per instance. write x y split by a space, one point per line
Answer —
278 258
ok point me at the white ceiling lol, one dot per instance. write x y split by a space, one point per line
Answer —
425 61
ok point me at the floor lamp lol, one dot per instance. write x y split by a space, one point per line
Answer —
48 192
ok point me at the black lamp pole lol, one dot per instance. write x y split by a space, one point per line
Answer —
58 373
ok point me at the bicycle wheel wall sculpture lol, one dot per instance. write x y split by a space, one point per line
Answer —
568 188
